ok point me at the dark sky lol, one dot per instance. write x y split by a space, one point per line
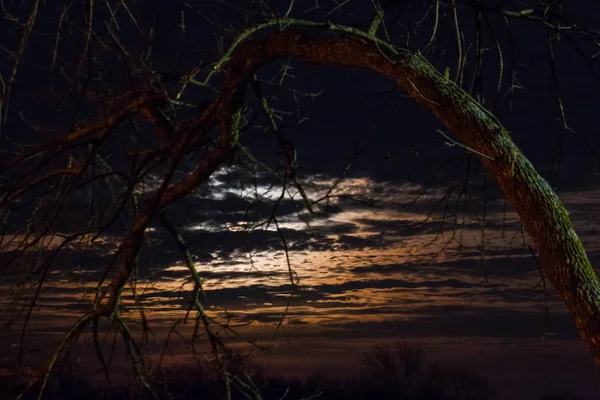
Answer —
396 254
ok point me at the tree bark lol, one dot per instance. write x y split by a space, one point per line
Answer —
561 253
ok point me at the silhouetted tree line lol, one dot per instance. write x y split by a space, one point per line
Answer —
399 372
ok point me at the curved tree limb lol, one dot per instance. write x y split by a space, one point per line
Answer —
561 253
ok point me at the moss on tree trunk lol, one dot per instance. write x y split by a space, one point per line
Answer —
561 253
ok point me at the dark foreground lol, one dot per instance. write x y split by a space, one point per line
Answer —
400 372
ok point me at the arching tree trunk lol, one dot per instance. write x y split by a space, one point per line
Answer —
561 253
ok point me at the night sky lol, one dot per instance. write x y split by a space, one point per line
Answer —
409 239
